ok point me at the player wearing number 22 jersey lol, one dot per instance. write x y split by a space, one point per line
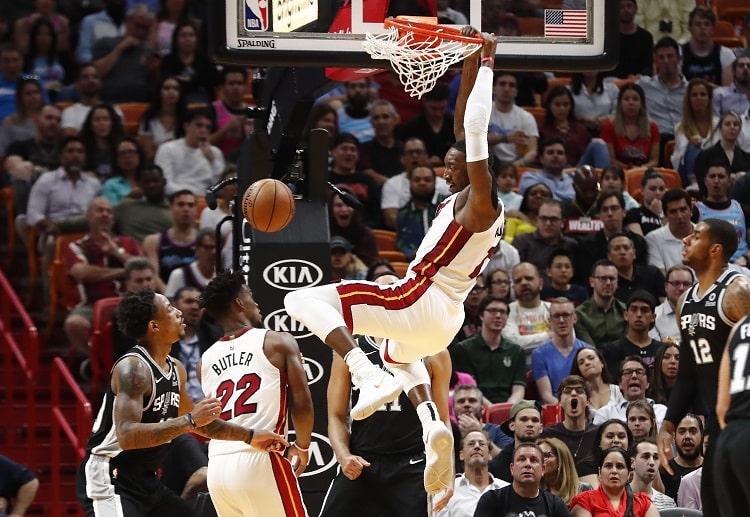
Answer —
251 370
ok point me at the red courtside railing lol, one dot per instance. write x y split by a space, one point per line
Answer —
20 351
76 432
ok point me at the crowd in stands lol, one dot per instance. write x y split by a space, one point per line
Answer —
602 174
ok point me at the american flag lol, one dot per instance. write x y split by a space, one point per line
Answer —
565 23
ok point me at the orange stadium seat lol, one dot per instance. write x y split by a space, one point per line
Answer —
386 239
497 413
100 342
8 204
400 268
633 180
551 414
730 41
132 112
731 10
392 256
60 286
723 28
538 114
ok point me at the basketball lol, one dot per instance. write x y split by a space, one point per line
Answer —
268 205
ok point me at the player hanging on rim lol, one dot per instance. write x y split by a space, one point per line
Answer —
421 313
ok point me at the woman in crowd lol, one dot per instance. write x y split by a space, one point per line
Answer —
53 67
632 138
613 178
170 14
595 100
560 120
613 497
323 116
589 363
29 101
612 433
524 220
193 69
347 222
100 133
43 10
666 364
697 130
648 216
164 118
506 178
126 172
345 265
641 419
559 475
498 283
726 151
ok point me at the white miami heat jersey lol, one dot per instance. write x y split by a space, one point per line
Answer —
452 256
251 389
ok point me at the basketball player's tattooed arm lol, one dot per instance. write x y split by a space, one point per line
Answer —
736 302
131 382
215 427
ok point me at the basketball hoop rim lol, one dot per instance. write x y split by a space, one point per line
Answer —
431 30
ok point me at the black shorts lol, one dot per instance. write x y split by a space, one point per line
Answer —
107 490
391 485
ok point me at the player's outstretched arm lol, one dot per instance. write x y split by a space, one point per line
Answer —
339 389
131 380
468 76
481 207
301 404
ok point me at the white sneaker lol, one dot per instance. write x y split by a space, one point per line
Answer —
438 470
376 387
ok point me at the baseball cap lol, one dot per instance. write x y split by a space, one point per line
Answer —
339 242
348 138
517 408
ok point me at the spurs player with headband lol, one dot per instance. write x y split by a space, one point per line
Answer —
419 315
251 370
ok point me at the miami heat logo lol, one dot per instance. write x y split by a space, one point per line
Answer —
256 15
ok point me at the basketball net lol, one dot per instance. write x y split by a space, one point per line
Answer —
419 55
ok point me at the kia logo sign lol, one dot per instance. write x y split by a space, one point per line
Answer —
280 321
292 274
313 369
321 454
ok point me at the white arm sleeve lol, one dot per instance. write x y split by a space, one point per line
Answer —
477 116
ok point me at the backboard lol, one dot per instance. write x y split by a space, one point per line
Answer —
538 35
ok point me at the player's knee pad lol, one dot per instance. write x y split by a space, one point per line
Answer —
294 303
411 374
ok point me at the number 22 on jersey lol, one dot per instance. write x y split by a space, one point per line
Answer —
233 406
